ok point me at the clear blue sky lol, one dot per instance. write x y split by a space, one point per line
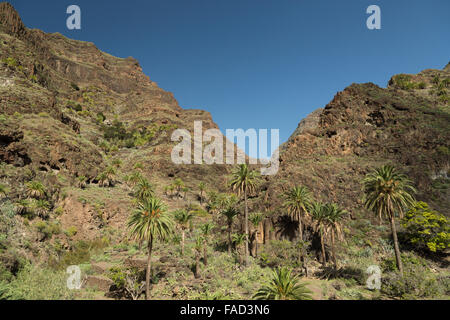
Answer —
258 63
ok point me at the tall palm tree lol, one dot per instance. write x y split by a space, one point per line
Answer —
297 202
255 219
245 181
183 218
319 215
387 193
143 190
150 221
206 232
283 286
201 188
229 212
35 189
238 240
198 252
334 217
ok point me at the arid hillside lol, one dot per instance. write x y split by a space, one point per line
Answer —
80 128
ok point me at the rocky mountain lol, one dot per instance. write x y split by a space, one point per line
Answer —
69 112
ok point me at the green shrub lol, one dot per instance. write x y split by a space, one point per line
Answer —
35 283
71 231
279 253
426 228
75 106
416 282
10 62
48 228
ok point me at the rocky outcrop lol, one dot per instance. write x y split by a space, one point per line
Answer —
10 20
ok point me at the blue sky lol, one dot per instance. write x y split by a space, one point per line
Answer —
258 63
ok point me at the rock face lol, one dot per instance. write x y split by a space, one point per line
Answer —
10 19
364 127
60 97
50 82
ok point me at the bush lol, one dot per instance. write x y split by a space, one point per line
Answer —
48 229
71 231
75 106
128 282
415 283
279 253
426 228
35 283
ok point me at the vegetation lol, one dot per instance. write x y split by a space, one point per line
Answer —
245 181
284 286
426 228
388 192
183 218
149 222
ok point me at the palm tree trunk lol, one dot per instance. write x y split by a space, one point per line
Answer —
197 265
396 247
182 242
205 253
256 243
322 244
379 216
300 227
305 265
246 227
149 268
229 236
333 251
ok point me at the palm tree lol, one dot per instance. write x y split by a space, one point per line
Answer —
206 232
179 184
297 202
41 208
283 286
212 202
198 252
134 178
150 221
35 189
334 219
183 218
255 219
110 174
245 181
143 190
388 192
319 215
238 240
185 191
103 180
81 182
229 212
22 206
201 188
